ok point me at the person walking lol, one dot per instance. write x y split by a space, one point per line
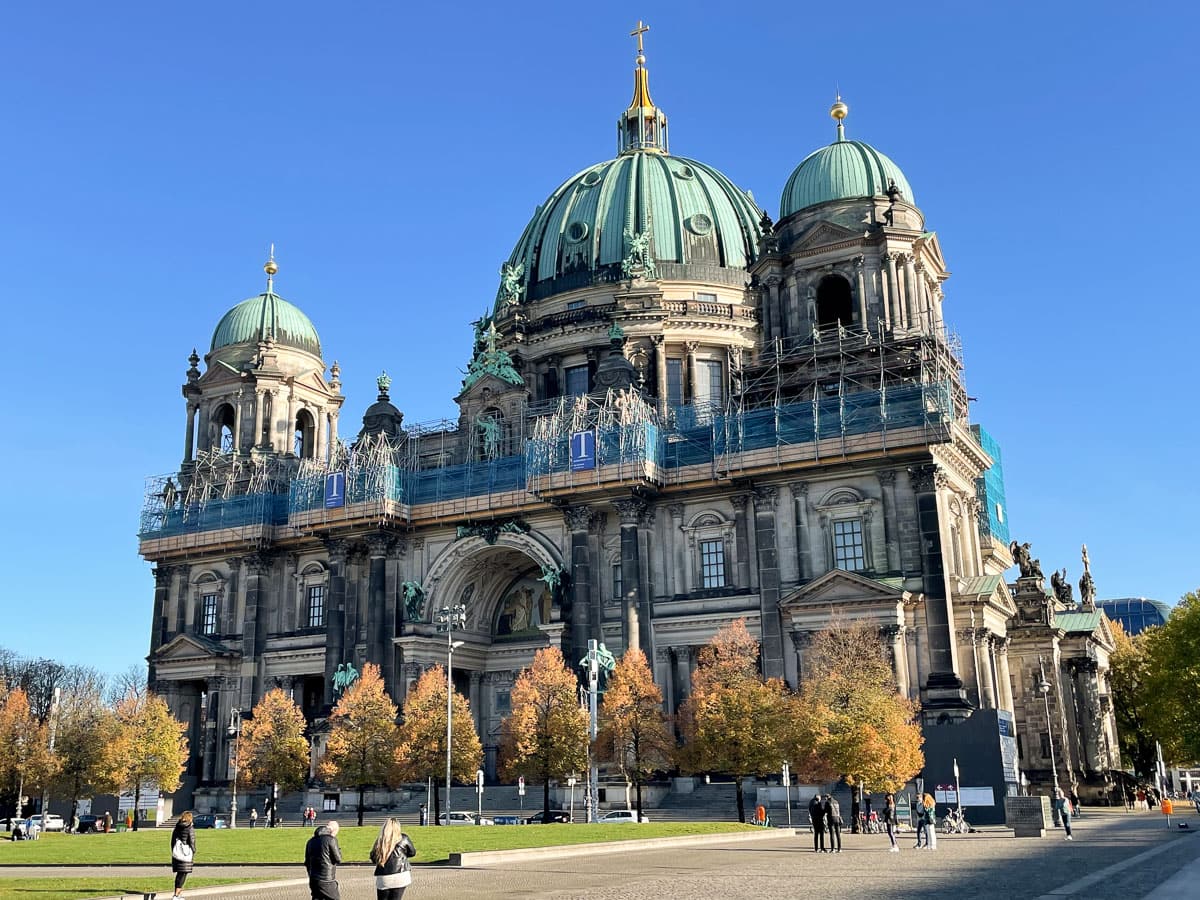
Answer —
833 823
929 812
183 850
816 816
424 814
253 816
889 821
922 828
391 853
322 855
1064 810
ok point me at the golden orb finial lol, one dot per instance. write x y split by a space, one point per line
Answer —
839 110
270 267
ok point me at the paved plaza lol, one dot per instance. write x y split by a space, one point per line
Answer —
1115 856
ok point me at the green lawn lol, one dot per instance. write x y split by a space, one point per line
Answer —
286 845
109 886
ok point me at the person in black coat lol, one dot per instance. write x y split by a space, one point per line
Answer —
833 823
816 815
183 835
391 853
321 858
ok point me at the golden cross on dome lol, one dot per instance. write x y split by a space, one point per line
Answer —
641 29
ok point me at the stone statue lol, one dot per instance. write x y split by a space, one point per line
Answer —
1063 591
489 434
1087 587
511 288
414 599
383 382
639 261
345 676
552 577
1020 555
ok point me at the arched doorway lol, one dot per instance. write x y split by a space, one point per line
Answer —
835 302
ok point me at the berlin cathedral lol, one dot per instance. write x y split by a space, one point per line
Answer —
679 413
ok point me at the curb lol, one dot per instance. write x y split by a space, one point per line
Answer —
557 851
217 890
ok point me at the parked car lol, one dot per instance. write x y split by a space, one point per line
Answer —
53 822
622 815
462 818
556 816
208 820
90 824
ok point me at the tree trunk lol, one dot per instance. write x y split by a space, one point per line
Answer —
274 802
137 801
638 787
437 803
545 798
741 802
361 791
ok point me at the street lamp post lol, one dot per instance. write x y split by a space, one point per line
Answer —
234 731
449 618
1044 687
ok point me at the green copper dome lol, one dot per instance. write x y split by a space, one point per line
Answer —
267 316
844 170
700 225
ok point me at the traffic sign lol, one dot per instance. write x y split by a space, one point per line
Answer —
521 786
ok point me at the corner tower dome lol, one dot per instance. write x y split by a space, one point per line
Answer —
845 170
267 317
695 221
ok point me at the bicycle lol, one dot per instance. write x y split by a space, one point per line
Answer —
956 823
870 824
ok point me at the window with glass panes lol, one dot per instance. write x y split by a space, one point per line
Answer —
316 605
712 564
616 582
208 614
675 382
848 550
577 381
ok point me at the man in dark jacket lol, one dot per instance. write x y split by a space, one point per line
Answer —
321 858
816 815
833 823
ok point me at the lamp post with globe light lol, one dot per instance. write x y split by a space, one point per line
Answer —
449 618
234 731
1043 686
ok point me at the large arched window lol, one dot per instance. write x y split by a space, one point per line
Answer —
835 303
223 423
305 442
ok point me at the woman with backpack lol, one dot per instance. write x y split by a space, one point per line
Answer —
391 854
183 850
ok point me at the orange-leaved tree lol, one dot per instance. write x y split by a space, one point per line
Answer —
733 718
362 740
633 727
422 750
86 729
25 758
272 749
848 717
547 730
151 747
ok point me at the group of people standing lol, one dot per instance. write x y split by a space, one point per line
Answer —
322 855
825 814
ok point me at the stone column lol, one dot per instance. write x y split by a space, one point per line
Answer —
180 582
660 371
1006 690
254 629
208 725
579 520
804 563
289 434
741 540
239 401
861 286
158 625
922 298
335 614
896 636
915 672
800 642
683 674
189 439
891 527
944 690
693 376
474 692
788 537
631 571
983 665
646 586
768 581
678 550
258 418
773 315
893 291
1083 672
912 306
379 640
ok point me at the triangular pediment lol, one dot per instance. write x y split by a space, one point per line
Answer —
490 382
824 233
988 589
929 242
187 646
838 587
219 373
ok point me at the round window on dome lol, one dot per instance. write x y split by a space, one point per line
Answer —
685 172
591 178
576 232
699 224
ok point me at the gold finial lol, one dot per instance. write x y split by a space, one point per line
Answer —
641 29
271 268
838 112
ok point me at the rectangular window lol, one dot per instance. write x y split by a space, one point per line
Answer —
316 606
712 564
848 552
576 304
329 803
577 381
706 298
503 702
208 614
711 387
617 590
1045 745
675 382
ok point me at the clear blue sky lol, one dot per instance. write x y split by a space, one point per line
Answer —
394 152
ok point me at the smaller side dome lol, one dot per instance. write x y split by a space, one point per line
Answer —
267 316
845 170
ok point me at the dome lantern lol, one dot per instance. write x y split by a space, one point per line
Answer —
643 126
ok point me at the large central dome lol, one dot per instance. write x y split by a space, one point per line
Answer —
696 223
695 216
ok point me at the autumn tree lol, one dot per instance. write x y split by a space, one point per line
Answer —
150 747
361 747
25 757
848 718
87 728
547 729
733 718
272 749
1172 652
1129 675
422 750
632 721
